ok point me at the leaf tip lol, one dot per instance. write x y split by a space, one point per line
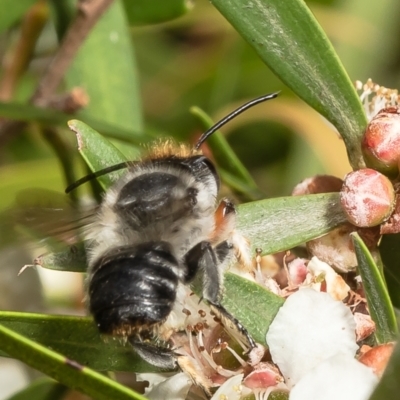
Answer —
73 124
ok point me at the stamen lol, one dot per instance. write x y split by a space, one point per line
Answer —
287 273
236 355
186 311
258 274
200 342
375 97
218 368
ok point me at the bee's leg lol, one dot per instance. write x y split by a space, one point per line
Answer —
161 357
203 258
225 222
168 359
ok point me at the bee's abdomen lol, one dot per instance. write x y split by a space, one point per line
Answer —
133 288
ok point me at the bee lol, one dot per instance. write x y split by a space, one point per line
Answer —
160 227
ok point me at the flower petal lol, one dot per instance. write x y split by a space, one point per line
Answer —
232 389
340 377
176 387
335 284
308 329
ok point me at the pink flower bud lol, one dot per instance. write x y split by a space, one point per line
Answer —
367 197
381 142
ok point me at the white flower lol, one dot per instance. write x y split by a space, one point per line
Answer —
339 377
375 97
232 389
308 329
166 387
335 284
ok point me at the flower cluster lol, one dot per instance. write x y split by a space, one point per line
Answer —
317 341
312 342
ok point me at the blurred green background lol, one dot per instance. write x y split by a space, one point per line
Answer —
198 59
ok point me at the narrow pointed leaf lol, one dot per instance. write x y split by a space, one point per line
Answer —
41 389
77 338
389 385
63 369
288 38
71 259
389 248
254 306
98 152
264 223
282 223
380 307
109 79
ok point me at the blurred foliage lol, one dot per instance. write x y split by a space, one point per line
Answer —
144 77
198 59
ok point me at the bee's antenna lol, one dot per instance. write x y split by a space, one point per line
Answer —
202 139
96 174
232 115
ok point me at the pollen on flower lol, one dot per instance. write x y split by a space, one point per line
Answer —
375 97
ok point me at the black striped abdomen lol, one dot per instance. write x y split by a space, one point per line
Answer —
133 288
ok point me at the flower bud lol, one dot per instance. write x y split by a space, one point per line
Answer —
381 142
378 357
367 197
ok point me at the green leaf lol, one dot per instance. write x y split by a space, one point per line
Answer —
41 389
77 338
152 11
254 306
290 41
26 112
389 385
227 159
264 223
98 152
389 248
109 79
282 223
12 11
379 305
72 259
64 370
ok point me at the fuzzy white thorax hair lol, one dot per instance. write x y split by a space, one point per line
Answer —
110 230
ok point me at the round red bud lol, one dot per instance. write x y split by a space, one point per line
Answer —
367 197
381 142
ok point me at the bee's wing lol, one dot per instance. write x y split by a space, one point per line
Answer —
48 217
